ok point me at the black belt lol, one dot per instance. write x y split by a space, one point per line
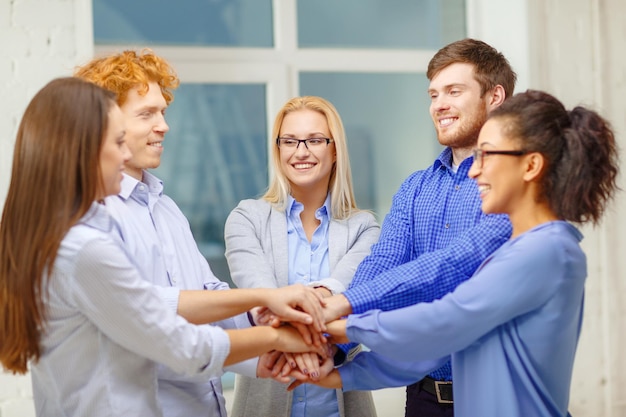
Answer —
441 389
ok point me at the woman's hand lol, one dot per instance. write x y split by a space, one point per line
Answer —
296 303
329 377
306 363
337 331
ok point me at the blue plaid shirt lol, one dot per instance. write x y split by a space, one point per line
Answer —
434 238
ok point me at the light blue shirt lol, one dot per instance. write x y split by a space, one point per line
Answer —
106 327
308 262
512 330
158 237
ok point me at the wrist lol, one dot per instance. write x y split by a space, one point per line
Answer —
344 305
250 318
274 337
324 291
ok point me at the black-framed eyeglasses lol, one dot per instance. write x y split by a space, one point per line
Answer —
310 143
479 155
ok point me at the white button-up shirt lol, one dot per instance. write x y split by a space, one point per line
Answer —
107 327
157 235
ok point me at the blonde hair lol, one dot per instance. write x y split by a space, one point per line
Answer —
343 204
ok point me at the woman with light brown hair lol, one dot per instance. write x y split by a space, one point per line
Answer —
72 304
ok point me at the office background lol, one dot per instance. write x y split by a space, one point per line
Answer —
240 60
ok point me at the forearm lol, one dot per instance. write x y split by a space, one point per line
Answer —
249 343
246 368
332 380
370 371
202 307
433 274
254 341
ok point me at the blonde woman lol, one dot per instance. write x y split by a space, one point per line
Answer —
306 229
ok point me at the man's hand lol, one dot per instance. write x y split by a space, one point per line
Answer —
337 306
297 303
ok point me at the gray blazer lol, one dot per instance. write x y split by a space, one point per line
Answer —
256 251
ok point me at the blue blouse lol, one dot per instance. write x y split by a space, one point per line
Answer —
308 262
512 330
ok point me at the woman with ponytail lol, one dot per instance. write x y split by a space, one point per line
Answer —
512 329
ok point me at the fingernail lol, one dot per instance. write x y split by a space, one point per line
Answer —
314 374
292 364
306 371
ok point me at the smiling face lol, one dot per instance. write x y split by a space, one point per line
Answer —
145 128
501 179
307 170
114 153
456 106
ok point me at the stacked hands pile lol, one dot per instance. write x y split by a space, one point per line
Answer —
307 318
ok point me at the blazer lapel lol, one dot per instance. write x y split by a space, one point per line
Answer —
337 241
280 249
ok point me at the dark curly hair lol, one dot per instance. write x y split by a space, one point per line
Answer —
579 146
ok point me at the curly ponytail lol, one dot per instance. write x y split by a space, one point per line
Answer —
578 145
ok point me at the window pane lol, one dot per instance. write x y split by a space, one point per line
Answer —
206 23
427 24
215 155
388 126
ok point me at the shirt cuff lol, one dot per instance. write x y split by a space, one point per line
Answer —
217 351
331 284
361 298
246 368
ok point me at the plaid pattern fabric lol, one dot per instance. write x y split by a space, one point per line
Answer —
434 238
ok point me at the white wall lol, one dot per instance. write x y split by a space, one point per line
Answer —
575 50
40 40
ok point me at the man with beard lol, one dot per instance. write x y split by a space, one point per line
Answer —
435 235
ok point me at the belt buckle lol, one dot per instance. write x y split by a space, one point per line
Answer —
438 391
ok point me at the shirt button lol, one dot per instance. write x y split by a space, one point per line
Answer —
447 226
457 187
300 399
141 187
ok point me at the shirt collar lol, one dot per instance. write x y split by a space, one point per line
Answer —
97 217
129 185
325 209
292 205
445 159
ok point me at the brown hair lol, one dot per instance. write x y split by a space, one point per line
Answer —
491 68
578 145
122 72
55 179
